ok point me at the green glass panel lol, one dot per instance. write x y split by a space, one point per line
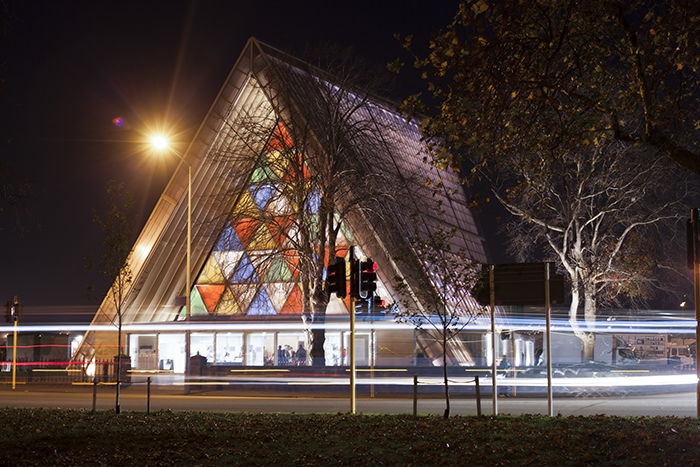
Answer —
279 271
197 306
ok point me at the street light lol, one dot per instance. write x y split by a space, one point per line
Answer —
161 143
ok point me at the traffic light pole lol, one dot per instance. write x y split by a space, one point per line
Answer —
352 356
492 303
14 355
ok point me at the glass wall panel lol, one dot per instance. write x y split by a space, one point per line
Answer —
229 348
260 349
361 349
202 343
292 349
333 349
142 351
171 352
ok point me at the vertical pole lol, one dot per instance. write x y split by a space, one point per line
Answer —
492 301
478 395
372 345
148 396
352 356
94 394
14 354
415 395
513 388
188 309
695 246
548 330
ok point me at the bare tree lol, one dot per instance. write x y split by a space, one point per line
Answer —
314 172
597 212
113 263
444 305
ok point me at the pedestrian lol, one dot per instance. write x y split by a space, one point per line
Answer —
504 365
281 356
301 355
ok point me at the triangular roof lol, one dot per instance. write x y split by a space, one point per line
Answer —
158 257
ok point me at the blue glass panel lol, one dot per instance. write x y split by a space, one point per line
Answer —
245 272
261 304
228 240
262 195
313 202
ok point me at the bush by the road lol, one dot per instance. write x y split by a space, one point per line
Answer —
69 437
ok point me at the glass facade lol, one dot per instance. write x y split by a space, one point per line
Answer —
202 344
229 348
171 352
253 268
165 351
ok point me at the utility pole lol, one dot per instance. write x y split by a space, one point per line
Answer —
13 312
353 264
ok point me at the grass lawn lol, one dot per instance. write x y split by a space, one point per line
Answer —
72 437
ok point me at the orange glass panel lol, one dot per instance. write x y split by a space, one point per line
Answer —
293 304
245 228
211 295
280 139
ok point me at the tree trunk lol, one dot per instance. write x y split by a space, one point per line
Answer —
587 347
589 312
444 376
318 336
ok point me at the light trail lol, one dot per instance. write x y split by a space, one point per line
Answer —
618 327
580 382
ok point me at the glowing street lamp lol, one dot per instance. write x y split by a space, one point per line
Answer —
161 143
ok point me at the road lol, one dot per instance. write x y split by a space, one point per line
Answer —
678 404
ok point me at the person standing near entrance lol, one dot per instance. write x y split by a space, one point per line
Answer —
301 355
281 356
505 367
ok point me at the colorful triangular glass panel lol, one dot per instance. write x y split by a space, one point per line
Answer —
262 173
280 139
211 273
261 304
245 228
278 271
244 294
262 240
278 293
293 304
262 195
228 240
197 307
227 305
211 295
246 206
313 202
227 261
245 272
277 163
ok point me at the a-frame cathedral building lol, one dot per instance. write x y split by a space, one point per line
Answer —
247 298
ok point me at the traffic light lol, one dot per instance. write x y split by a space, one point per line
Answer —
13 309
354 277
336 278
368 278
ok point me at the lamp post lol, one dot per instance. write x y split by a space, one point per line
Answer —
161 143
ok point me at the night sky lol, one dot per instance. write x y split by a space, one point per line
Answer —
68 68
